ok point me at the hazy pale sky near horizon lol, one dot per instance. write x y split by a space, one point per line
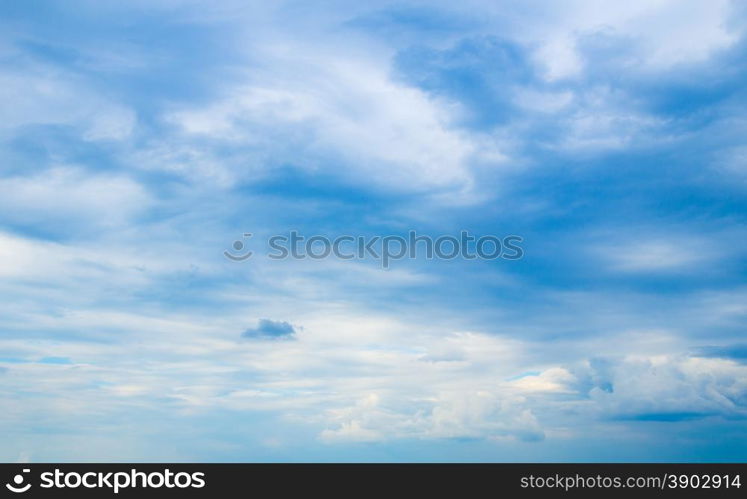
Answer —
140 139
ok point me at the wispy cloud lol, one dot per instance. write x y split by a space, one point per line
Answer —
610 138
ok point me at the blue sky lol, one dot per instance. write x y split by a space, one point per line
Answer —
139 140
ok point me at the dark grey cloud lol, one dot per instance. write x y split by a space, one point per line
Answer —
270 329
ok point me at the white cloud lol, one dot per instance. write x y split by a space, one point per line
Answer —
352 376
655 387
649 256
669 32
144 339
41 95
346 116
459 414
71 195
733 161
555 379
662 251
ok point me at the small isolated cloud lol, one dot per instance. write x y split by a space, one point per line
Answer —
270 329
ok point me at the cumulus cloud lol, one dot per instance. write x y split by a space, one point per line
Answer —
347 111
445 416
670 386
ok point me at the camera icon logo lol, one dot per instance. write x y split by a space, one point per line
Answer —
17 485
238 246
